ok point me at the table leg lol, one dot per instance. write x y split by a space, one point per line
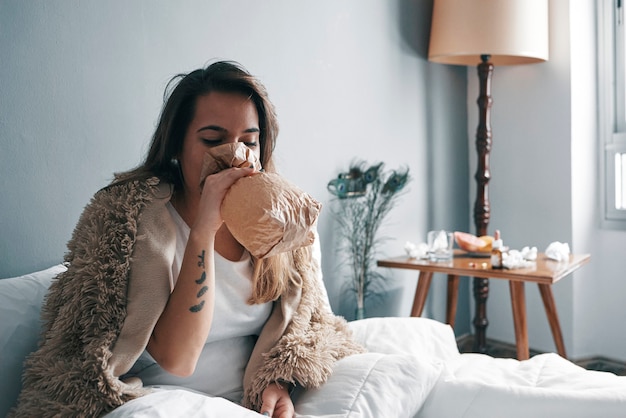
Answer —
481 293
518 302
553 318
453 296
423 284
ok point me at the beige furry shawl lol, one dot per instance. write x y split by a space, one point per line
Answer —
99 314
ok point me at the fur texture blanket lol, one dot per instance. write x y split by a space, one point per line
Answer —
98 315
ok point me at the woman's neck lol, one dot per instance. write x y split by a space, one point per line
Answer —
225 244
186 209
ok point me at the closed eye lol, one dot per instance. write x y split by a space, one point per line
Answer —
212 142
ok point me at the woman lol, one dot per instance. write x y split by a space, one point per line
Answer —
159 292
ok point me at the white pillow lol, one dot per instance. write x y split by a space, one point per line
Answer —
371 385
424 338
173 401
405 358
20 306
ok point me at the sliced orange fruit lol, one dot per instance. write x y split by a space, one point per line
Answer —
472 243
489 241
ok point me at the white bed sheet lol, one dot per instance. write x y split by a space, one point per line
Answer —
414 370
546 385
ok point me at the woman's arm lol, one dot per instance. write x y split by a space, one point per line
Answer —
184 325
182 329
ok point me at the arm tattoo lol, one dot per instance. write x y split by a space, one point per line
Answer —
198 307
202 278
203 289
201 260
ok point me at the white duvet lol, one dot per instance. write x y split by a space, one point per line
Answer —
413 369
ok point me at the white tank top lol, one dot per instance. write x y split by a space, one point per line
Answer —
234 330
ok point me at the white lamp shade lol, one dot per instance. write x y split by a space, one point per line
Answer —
510 31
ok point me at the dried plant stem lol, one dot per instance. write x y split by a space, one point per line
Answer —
359 219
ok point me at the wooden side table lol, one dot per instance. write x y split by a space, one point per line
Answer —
545 273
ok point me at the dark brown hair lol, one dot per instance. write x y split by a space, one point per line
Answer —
272 275
178 111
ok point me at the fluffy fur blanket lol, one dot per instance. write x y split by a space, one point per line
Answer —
98 315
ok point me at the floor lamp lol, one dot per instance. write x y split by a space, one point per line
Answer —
487 33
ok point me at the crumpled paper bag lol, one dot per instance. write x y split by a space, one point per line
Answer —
265 213
229 155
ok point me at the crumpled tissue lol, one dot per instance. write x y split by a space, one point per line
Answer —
416 250
558 251
529 253
518 259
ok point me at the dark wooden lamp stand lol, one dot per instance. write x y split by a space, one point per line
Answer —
461 33
481 206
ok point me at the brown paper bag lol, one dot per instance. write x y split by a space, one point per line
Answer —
264 212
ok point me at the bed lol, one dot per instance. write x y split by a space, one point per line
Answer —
412 369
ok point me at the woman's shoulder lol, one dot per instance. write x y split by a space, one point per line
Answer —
143 188
128 197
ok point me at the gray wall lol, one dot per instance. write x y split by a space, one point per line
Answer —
82 84
81 87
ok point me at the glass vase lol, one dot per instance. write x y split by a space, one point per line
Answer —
360 313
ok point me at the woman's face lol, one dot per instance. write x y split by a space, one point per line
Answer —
220 118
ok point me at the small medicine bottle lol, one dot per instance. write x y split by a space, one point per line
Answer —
497 251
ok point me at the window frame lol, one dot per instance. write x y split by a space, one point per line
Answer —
611 105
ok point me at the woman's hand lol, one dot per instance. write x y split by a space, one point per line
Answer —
277 402
213 191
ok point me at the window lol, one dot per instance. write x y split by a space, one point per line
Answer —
612 111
